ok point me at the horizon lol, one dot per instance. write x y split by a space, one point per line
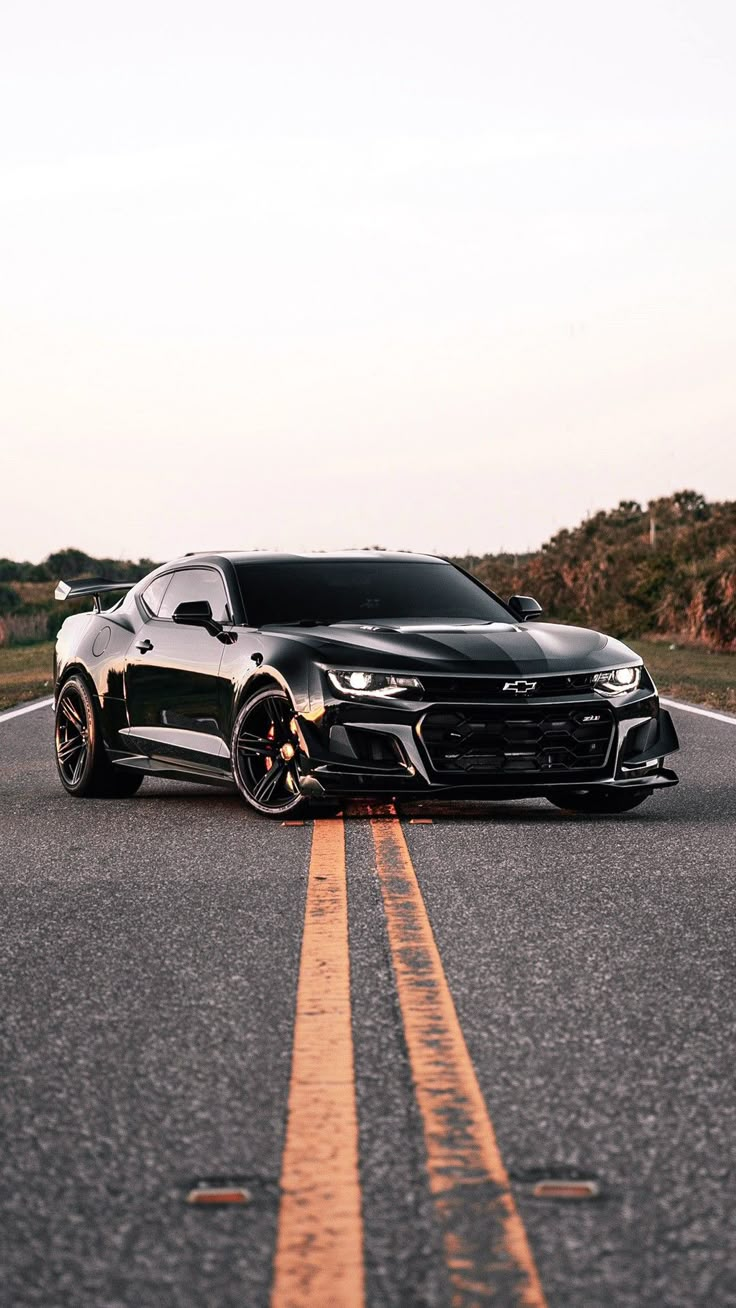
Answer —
645 508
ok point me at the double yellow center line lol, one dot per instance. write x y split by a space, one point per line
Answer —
319 1248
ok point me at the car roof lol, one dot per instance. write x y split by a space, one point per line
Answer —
265 556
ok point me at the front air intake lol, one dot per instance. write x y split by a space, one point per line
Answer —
518 741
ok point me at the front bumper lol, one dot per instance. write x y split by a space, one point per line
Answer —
362 747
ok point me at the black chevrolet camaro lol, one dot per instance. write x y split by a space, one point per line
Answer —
306 678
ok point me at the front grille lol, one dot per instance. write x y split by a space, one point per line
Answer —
471 688
524 739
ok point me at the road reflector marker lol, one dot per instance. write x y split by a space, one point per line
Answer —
420 822
293 823
555 1188
219 1194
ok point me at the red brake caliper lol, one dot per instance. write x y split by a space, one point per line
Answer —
269 736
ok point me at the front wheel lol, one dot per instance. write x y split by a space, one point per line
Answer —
264 748
600 801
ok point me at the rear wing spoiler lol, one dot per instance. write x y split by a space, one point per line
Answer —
94 586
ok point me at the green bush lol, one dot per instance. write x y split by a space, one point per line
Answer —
9 599
608 573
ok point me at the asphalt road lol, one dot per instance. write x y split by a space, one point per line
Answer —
150 962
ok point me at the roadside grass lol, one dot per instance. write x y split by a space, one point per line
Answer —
35 592
693 674
26 672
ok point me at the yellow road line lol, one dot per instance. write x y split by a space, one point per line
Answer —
319 1248
486 1248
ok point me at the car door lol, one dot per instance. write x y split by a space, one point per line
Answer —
173 690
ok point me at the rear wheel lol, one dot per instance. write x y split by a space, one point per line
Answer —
81 761
264 748
600 801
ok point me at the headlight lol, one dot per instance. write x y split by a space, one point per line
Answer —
380 684
616 682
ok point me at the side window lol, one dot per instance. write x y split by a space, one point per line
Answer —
153 594
196 584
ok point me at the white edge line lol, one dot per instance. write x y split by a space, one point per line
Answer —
27 708
701 712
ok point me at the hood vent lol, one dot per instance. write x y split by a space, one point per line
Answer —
437 628
475 628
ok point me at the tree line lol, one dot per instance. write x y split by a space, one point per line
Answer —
28 611
667 567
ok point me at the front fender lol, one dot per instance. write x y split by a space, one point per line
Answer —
254 659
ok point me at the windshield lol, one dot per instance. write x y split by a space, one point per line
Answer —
362 590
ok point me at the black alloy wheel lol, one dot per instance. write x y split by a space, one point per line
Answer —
81 760
264 751
600 801
72 735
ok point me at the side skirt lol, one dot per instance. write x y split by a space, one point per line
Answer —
171 771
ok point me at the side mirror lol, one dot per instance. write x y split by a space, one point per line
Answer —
525 608
197 613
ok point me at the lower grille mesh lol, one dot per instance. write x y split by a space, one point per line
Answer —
523 740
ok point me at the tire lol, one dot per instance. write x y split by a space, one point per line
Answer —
83 766
601 801
265 771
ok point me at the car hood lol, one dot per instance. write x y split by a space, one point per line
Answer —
492 648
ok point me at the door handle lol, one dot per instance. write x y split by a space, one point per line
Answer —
144 646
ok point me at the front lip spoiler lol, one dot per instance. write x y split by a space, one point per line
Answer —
337 779
652 781
322 766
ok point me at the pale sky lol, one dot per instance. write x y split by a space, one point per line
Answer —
434 276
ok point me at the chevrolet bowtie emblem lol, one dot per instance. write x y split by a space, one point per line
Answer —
520 687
